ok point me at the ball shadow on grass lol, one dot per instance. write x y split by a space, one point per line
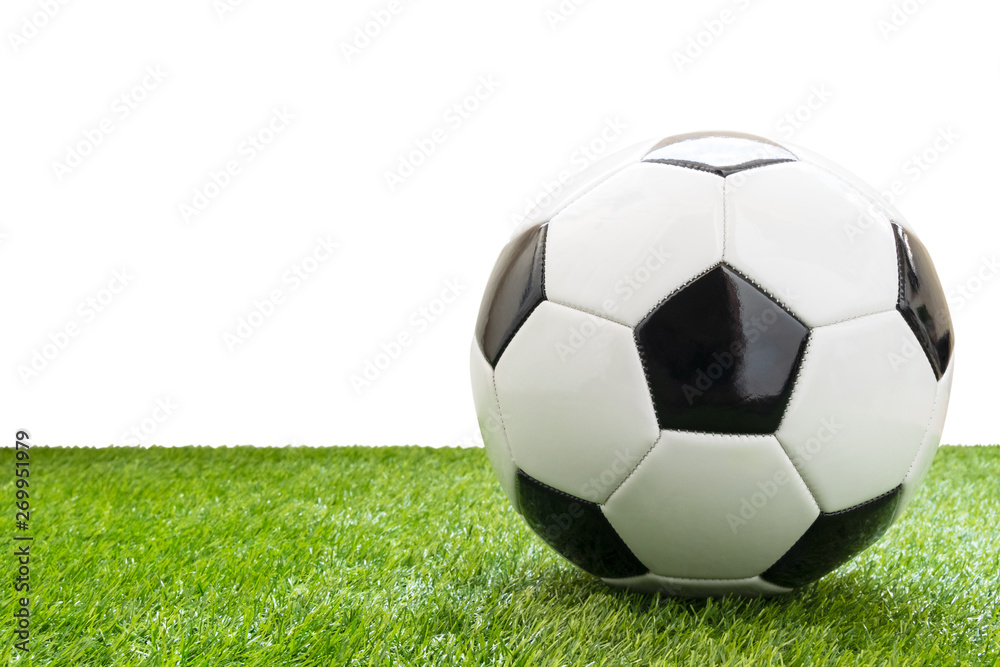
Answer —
844 599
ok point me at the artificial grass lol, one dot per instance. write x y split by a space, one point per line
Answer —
396 556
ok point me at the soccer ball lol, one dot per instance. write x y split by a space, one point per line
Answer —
714 365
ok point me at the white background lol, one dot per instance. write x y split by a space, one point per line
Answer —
883 78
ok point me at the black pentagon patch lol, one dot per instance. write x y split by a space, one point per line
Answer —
720 171
515 288
922 301
577 529
720 356
833 539
719 153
